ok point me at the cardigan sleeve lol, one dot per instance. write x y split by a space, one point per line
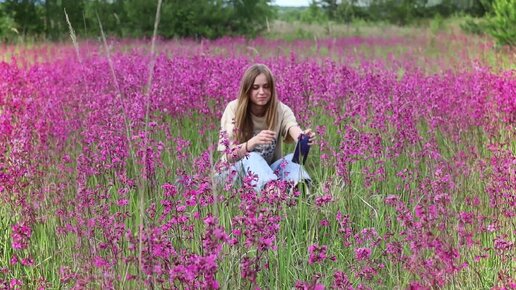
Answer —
288 121
227 125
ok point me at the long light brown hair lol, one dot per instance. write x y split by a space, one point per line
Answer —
243 121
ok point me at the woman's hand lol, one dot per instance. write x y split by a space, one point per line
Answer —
264 137
311 136
295 133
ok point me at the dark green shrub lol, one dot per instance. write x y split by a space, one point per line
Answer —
473 26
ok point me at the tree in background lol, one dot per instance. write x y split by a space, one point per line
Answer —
198 19
111 14
215 18
401 12
502 24
135 18
348 10
314 14
8 26
477 8
25 14
249 17
330 6
140 16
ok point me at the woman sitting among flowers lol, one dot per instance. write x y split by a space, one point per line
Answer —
253 128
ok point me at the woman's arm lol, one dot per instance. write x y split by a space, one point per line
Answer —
294 132
238 152
293 129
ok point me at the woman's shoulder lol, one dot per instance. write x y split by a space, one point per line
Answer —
232 105
282 107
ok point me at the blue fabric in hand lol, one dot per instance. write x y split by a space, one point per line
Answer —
302 149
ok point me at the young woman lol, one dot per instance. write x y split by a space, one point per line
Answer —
254 126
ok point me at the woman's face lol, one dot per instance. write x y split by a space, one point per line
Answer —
260 91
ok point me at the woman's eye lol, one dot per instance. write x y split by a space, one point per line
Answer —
257 87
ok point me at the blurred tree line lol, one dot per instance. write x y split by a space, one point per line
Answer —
400 12
494 17
45 19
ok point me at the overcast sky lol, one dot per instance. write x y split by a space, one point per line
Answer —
292 2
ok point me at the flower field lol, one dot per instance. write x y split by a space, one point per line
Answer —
108 156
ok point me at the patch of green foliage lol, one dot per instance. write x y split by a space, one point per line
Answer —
473 26
501 25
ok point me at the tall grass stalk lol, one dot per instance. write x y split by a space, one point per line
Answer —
147 90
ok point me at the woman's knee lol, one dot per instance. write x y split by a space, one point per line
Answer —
254 158
293 172
255 164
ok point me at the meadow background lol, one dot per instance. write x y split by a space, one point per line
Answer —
108 151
